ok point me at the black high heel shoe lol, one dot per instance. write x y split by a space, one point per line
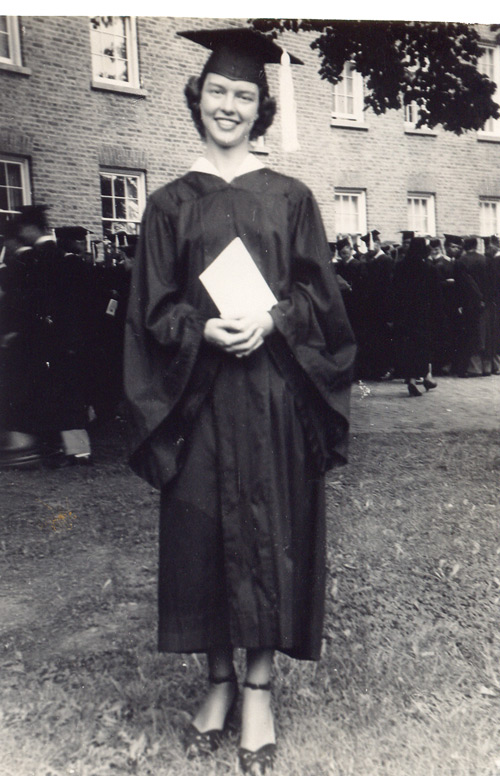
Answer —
413 390
261 761
198 744
429 384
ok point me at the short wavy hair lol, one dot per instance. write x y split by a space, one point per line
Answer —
265 114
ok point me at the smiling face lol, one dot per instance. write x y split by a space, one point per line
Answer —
228 110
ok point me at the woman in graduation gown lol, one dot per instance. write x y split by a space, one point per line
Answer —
236 420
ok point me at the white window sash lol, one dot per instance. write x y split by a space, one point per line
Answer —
489 65
489 216
422 213
339 93
131 58
141 194
25 178
14 40
342 219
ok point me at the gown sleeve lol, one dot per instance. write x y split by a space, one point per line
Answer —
163 339
313 321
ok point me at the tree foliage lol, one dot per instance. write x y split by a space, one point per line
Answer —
431 64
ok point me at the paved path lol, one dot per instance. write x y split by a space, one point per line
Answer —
456 404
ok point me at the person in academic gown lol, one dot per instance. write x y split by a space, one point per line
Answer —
475 299
444 338
236 420
417 314
493 255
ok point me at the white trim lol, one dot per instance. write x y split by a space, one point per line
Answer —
132 58
492 127
342 92
342 224
25 178
111 172
14 41
414 198
493 227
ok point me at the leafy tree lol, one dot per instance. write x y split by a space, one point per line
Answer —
432 64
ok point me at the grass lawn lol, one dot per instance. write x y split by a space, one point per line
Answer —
409 683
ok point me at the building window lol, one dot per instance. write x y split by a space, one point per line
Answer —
489 217
411 114
113 42
258 146
10 44
350 211
422 214
123 199
489 65
347 102
15 188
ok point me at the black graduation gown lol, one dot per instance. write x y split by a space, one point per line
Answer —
417 314
238 446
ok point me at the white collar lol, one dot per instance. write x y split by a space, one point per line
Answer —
249 164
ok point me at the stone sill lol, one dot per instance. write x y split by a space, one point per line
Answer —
421 132
19 69
484 138
346 124
118 88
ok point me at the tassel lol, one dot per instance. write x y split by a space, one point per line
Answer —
289 139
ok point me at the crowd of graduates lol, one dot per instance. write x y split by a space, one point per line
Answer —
423 308
418 310
62 314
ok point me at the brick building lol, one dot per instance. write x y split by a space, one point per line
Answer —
93 119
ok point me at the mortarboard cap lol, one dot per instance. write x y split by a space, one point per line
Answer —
342 243
435 242
238 53
453 239
407 235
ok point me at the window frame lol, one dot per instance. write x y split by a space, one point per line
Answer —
133 81
429 197
24 164
357 116
483 230
141 196
494 132
410 123
360 195
14 40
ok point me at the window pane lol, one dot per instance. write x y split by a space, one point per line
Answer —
14 174
132 211
3 24
105 185
120 209
119 186
4 204
16 198
132 188
4 46
3 176
107 207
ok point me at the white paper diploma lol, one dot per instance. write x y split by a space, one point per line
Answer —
236 284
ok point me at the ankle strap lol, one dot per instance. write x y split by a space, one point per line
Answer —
252 686
223 679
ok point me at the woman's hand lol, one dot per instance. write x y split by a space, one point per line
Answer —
240 336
